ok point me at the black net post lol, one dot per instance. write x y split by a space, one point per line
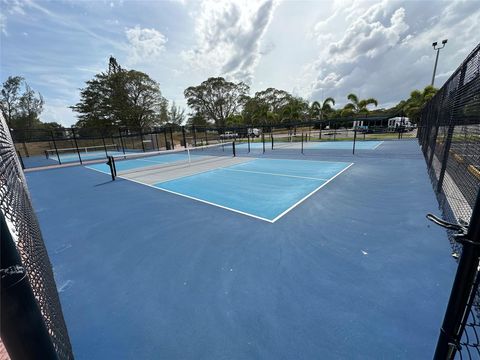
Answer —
76 144
464 289
354 140
171 137
55 147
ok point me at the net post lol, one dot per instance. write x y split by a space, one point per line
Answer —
76 144
171 137
110 163
354 140
55 147
233 147
184 137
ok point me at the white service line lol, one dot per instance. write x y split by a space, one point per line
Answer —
306 197
274 174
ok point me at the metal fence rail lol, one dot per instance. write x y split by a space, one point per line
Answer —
450 141
32 324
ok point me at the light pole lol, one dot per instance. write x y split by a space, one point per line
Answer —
437 49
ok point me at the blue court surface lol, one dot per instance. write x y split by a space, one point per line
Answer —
355 271
263 188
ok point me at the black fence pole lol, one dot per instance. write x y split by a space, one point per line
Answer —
263 141
194 136
167 146
121 140
248 142
22 327
141 140
171 137
184 137
271 136
302 144
21 160
234 151
206 136
354 140
76 144
55 147
463 289
104 145
25 148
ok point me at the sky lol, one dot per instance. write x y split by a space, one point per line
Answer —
313 49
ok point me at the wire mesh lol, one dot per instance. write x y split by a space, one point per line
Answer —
450 140
16 207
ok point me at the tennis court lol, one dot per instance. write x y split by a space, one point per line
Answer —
66 155
311 145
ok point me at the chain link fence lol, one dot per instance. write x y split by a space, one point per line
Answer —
20 225
450 141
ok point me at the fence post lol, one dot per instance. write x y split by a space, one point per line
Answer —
55 147
171 136
463 290
121 140
76 144
263 141
184 137
104 145
354 140
194 136
248 142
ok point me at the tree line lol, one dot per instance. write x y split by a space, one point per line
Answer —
130 98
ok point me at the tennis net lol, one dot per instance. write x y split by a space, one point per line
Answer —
85 150
158 160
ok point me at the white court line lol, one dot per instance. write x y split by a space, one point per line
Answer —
306 197
231 209
274 174
200 200
381 142
103 172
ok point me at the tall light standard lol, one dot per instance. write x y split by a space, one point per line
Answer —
437 49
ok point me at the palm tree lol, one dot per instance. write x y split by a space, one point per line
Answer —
417 100
320 110
356 106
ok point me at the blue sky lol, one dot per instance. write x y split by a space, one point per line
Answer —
313 49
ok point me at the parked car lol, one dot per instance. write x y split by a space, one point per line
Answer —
254 132
228 135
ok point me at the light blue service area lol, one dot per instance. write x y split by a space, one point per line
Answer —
264 188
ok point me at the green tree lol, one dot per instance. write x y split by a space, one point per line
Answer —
176 115
413 106
356 106
320 110
120 97
20 105
217 99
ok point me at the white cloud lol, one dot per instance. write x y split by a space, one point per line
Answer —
383 49
144 44
3 24
229 36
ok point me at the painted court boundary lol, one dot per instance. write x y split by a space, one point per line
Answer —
235 210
